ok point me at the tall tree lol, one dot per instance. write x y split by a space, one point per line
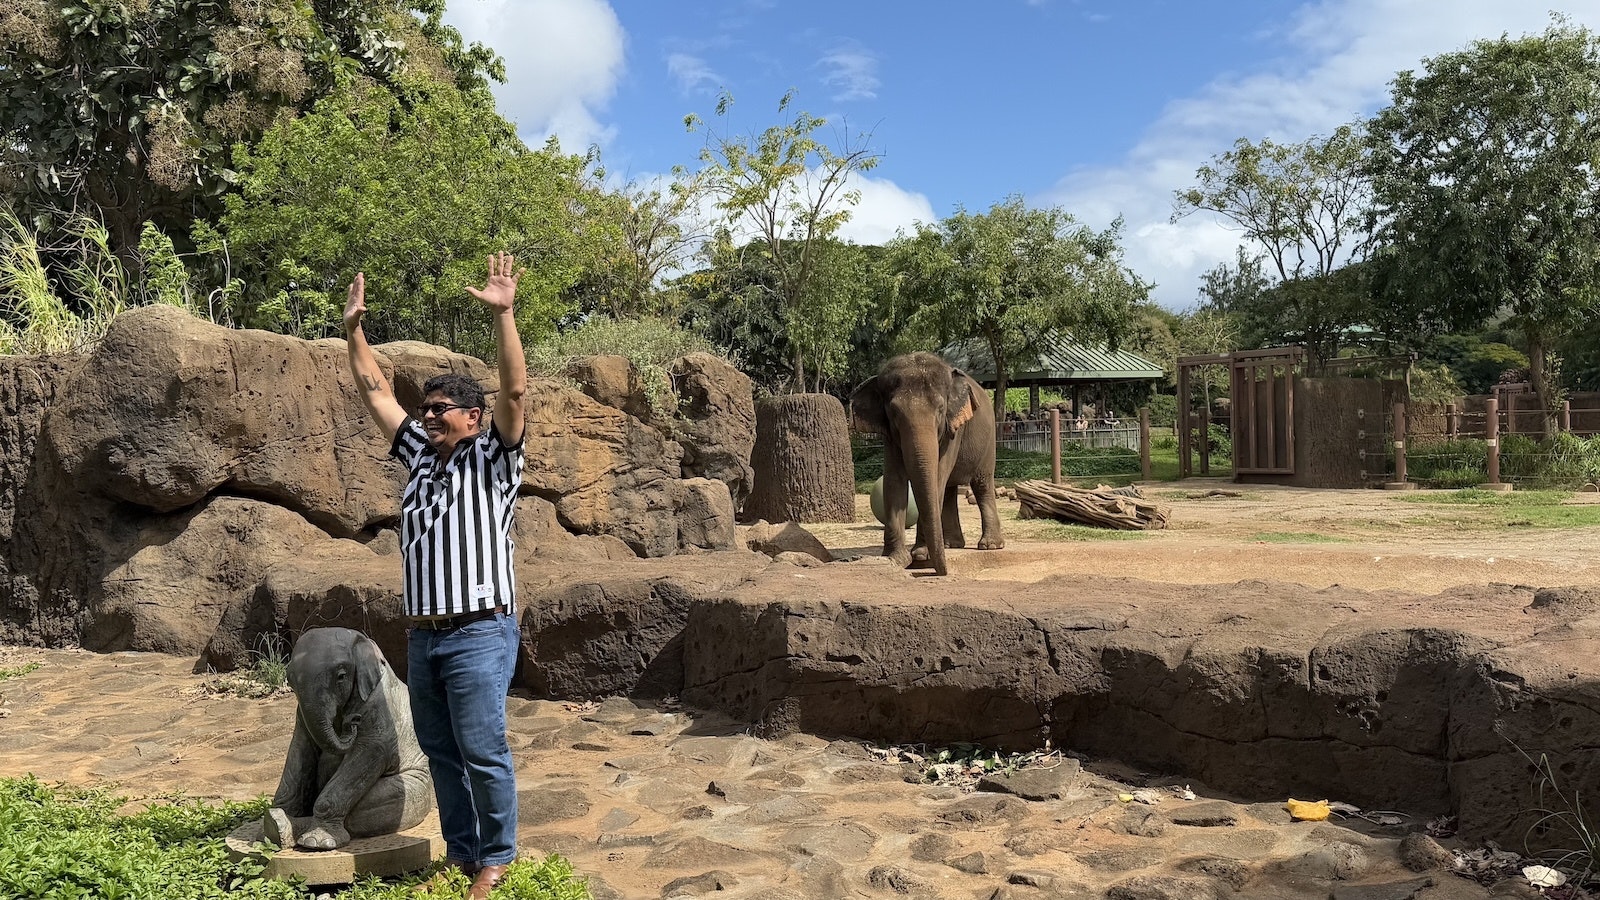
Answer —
1012 276
1306 206
127 110
1485 173
783 192
416 189
657 234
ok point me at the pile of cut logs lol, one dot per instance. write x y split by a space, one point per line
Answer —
1104 507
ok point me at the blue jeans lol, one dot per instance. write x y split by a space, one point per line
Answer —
458 681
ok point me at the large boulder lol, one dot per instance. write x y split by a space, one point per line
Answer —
190 568
196 489
716 421
341 583
29 386
169 409
611 380
604 470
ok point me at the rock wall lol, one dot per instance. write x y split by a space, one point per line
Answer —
1264 691
187 488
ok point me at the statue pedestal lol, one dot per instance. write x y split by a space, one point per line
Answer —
383 856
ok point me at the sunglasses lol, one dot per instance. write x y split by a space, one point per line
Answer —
438 409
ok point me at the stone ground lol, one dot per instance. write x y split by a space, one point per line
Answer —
659 801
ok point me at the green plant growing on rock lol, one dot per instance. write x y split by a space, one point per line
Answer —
649 343
1561 817
266 676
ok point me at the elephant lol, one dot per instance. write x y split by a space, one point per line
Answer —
354 768
938 429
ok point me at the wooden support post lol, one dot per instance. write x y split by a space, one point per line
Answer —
1492 438
1144 443
1450 421
1566 416
1184 470
1400 483
1205 438
1055 446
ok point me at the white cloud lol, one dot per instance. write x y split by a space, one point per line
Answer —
851 72
885 208
1337 61
691 73
563 61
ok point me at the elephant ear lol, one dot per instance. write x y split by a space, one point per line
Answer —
866 409
962 402
369 665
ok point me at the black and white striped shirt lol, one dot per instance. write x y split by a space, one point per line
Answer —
455 522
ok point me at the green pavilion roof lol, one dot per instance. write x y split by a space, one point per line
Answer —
1059 360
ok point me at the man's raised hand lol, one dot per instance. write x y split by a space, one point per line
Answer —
501 290
355 306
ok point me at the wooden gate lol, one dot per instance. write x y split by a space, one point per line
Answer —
1263 410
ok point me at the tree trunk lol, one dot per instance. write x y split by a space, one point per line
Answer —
1539 376
802 463
1001 380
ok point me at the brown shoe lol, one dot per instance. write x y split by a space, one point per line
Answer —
488 877
442 878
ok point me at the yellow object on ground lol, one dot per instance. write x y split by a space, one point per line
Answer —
1307 810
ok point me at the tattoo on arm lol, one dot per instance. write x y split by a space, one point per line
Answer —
372 383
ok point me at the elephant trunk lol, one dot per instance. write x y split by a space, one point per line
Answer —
923 466
327 736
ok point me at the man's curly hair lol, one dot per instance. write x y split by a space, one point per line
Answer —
461 389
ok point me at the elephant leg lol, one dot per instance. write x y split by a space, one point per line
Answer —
395 803
983 488
895 496
952 518
297 788
355 777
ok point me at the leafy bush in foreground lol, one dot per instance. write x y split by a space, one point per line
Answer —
61 843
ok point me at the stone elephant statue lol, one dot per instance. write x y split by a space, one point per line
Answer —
354 768
938 428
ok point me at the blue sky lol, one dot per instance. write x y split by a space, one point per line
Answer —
1101 107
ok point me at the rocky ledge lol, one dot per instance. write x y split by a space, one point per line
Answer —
654 800
1263 690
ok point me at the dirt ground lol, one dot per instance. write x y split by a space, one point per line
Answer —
144 725
1220 532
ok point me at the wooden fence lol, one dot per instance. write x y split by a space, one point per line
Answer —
1517 414
1034 434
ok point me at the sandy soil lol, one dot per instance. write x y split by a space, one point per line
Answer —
1220 533
144 725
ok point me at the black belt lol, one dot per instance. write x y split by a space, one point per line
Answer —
451 623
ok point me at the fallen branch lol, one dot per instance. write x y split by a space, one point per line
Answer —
1104 507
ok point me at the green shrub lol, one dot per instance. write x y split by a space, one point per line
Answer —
1163 410
649 343
1447 464
1221 442
1562 461
60 842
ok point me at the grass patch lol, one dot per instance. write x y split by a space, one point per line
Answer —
1512 509
1296 537
59 842
266 676
1065 532
17 671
